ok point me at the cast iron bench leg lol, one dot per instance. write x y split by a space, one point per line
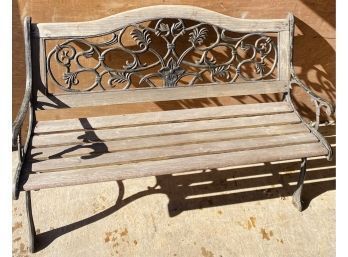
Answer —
31 227
296 197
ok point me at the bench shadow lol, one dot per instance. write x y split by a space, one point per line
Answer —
90 141
211 188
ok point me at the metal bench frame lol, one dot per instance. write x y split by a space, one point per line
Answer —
170 73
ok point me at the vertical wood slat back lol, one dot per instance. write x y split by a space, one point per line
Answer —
42 32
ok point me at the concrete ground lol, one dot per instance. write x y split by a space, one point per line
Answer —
243 211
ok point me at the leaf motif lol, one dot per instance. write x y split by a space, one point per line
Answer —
142 37
198 35
109 42
89 53
221 71
163 27
118 77
171 64
260 67
70 78
130 66
177 25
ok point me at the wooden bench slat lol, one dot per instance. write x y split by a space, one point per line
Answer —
161 117
162 129
107 24
159 94
161 167
169 152
157 141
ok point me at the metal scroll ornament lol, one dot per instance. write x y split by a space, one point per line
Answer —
247 50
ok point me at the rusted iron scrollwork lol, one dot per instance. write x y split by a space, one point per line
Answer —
170 66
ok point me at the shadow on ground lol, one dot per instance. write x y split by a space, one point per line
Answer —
210 188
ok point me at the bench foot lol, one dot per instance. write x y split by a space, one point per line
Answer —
296 197
31 226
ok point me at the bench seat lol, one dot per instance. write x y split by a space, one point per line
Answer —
89 150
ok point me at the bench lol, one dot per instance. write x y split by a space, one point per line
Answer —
159 54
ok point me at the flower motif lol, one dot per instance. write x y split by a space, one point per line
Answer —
163 29
171 73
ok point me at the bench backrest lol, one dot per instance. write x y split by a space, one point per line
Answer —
157 53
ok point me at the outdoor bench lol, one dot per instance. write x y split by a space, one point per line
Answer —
158 54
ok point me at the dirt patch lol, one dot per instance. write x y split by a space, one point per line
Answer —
266 235
17 239
119 240
100 204
23 250
249 224
124 233
206 253
280 241
16 226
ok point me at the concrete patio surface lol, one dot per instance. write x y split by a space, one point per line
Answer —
243 211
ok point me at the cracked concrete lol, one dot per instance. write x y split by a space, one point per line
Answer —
244 211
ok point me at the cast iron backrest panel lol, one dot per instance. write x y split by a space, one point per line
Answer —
161 47
187 60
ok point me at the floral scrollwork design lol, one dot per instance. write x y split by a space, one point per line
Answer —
248 51
171 73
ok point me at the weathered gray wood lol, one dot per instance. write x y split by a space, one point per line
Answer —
160 94
163 129
161 167
169 152
108 24
162 117
158 141
43 65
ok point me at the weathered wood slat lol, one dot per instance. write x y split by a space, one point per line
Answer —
162 117
284 55
158 141
161 167
169 152
163 129
108 24
159 94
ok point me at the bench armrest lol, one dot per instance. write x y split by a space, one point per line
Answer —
317 100
18 122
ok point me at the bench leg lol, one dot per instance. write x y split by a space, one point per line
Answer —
296 197
31 227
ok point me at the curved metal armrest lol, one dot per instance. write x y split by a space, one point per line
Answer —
18 122
318 101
